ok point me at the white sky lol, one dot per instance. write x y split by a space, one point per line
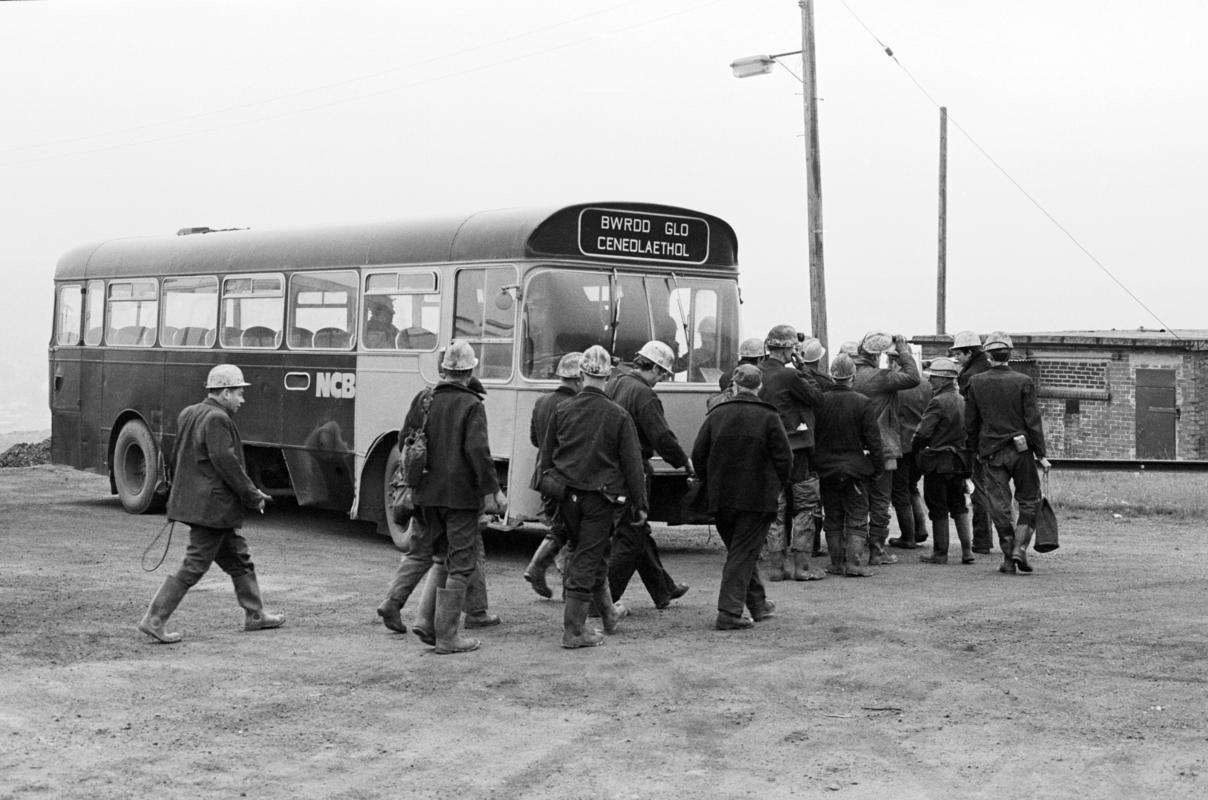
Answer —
130 118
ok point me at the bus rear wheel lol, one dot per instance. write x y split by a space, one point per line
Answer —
136 469
398 532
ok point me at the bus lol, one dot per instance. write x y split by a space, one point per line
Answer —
338 327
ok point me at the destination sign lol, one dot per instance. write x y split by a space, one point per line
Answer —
642 236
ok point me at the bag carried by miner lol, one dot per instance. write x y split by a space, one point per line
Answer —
411 466
1046 522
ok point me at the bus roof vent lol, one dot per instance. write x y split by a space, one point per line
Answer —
205 229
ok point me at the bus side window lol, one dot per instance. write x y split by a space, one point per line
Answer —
133 313
479 321
190 312
94 316
326 303
402 311
70 312
253 307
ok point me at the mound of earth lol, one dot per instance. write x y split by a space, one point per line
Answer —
26 455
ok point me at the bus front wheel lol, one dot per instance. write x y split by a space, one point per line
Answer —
398 533
136 469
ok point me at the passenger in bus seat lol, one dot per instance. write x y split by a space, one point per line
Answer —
633 547
380 332
210 489
571 381
459 484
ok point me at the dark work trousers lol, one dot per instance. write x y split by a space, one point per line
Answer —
588 519
452 532
880 493
845 506
905 486
743 533
222 546
633 549
1006 467
551 515
983 532
944 495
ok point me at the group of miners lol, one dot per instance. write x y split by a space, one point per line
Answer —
793 461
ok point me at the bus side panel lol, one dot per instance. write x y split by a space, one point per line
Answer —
65 370
94 426
315 395
386 383
133 379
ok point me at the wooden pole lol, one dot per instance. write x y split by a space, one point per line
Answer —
941 289
813 175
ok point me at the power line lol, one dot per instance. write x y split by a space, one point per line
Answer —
889 52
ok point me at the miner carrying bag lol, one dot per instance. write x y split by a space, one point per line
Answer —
411 466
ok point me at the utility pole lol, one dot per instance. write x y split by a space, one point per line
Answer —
813 174
941 283
941 289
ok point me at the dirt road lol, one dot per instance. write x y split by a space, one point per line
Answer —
1085 679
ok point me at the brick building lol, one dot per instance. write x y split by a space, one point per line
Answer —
1140 394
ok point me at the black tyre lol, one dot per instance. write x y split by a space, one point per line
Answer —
136 469
397 532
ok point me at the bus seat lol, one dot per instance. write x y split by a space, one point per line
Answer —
231 336
195 336
131 334
332 338
259 336
301 337
415 338
169 335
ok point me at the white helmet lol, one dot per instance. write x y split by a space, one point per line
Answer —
812 350
943 368
843 368
875 342
752 348
459 357
569 366
660 354
225 376
997 341
596 362
965 339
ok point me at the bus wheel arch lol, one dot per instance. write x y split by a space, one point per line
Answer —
374 489
135 466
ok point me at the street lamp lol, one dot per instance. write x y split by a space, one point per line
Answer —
762 65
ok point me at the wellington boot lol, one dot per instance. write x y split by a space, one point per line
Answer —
575 631
834 546
778 567
1019 553
802 571
854 565
534 573
878 555
613 613
964 532
939 548
170 593
424 625
247 592
1007 545
448 619
389 611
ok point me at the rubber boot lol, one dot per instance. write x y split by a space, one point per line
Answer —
854 565
1006 543
247 592
1019 553
777 567
802 570
534 573
613 613
904 513
477 615
834 546
964 532
448 618
920 518
818 551
575 632
424 625
939 548
407 577
170 593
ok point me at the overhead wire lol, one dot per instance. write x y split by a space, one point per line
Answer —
1039 206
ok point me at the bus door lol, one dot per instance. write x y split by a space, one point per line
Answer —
317 387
